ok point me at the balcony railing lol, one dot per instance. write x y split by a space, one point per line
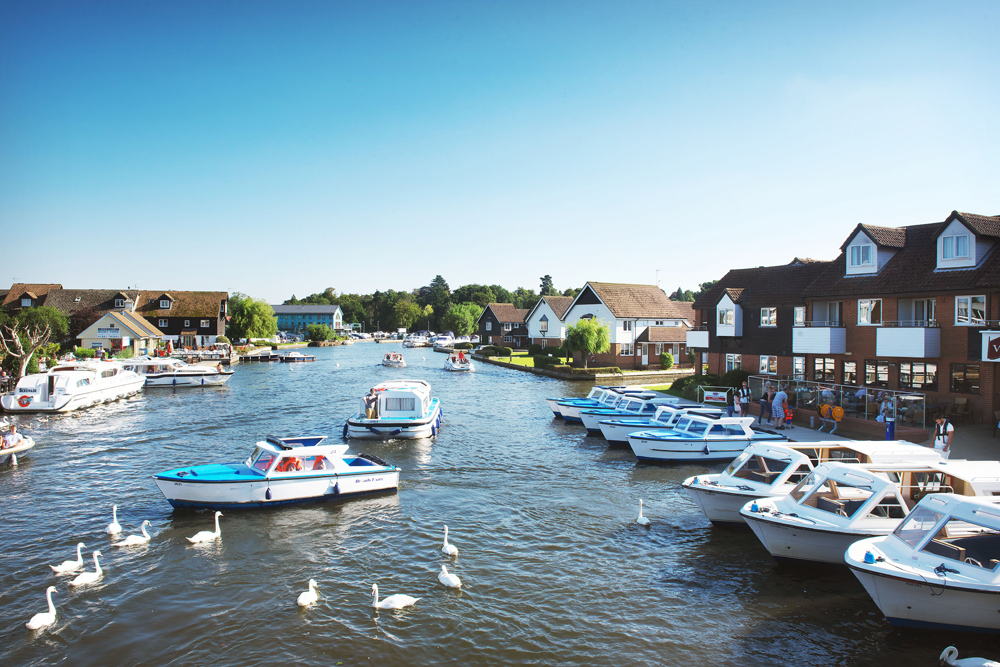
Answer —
912 323
820 323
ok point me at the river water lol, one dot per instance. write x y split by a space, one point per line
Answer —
554 569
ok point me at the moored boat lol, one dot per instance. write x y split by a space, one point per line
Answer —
402 409
570 409
72 385
279 471
699 438
616 430
168 372
296 358
415 340
260 356
626 405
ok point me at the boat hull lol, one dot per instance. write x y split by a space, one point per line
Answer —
800 543
20 451
617 433
393 429
671 451
722 505
71 402
188 380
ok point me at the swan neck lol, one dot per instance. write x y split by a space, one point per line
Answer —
48 596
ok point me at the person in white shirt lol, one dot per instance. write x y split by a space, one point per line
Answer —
943 433
13 438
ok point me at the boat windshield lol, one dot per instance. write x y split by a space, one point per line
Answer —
917 525
838 497
758 468
966 542
262 459
813 481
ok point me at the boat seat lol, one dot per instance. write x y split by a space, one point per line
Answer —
763 477
828 505
852 506
942 548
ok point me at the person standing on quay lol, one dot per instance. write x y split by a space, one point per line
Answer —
766 396
743 395
944 431
778 408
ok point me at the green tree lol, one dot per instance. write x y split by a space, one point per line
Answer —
319 332
462 318
525 298
30 330
251 318
500 295
702 288
481 295
547 288
407 313
572 291
666 361
681 294
588 337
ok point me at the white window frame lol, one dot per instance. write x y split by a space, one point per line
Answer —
866 306
627 325
969 320
727 317
163 323
187 323
658 323
799 368
768 317
205 324
799 317
626 350
489 325
950 246
508 339
766 367
734 362
164 304
119 303
26 303
857 255
543 324
507 326
658 349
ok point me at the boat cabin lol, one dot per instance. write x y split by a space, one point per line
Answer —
401 399
962 529
304 455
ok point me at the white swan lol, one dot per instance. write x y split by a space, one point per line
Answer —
449 580
89 577
642 521
114 527
448 549
950 657
71 565
310 596
136 540
207 535
46 618
397 601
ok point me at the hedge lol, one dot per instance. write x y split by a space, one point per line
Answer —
463 346
734 378
534 349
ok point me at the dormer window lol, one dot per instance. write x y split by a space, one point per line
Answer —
955 247
543 324
862 255
26 303
164 304
119 303
727 317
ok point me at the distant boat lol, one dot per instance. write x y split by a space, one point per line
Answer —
458 361
167 372
404 409
296 358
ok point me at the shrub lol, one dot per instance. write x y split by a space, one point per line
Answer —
488 351
734 378
504 351
544 360
83 353
555 351
666 360
463 346
319 332
534 349
596 370
221 339
127 353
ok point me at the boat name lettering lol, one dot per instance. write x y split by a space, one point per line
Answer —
22 390
370 479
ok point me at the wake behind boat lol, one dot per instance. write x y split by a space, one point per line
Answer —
396 409
279 471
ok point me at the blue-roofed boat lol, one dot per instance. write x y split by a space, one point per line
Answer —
615 431
404 409
279 471
570 410
627 405
593 399
699 438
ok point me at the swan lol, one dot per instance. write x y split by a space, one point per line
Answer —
449 580
310 596
397 601
89 577
448 549
136 540
207 535
950 657
114 527
71 565
46 618
642 521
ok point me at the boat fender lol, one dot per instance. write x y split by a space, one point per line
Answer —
203 380
754 507
706 451
434 431
336 489
267 494
193 472
869 557
345 429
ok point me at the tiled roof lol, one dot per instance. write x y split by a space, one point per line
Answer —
136 324
308 309
69 301
638 301
764 285
506 312
887 237
734 293
663 334
185 304
982 225
17 289
559 304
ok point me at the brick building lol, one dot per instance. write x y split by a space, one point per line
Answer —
503 324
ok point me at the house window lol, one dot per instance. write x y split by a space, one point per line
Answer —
658 323
626 350
850 372
627 325
489 325
507 326
734 362
768 317
965 378
869 311
918 375
543 324
823 369
970 310
799 316
162 324
955 247
187 323
26 303
508 339
769 364
923 312
658 349
876 373
727 317
164 304
799 368
119 303
204 324
861 255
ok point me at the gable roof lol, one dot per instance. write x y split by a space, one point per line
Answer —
305 309
764 285
637 301
558 304
184 304
506 312
980 225
134 324
37 291
69 301
663 334
883 237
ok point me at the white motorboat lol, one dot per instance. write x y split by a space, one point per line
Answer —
403 409
458 361
939 568
444 342
279 471
71 386
297 358
415 340
699 438
838 504
570 409
616 430
769 469
463 339
168 372
592 399
19 450
626 405
260 356
393 360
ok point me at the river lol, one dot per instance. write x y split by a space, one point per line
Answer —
554 569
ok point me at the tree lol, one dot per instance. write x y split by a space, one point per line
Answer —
588 337
319 332
407 313
681 294
481 295
572 291
666 361
462 318
702 288
500 295
546 288
251 318
32 329
525 298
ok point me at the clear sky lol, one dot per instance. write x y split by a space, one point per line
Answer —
285 147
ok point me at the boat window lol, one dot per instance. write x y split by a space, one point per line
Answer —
966 542
888 507
400 404
761 468
109 373
83 383
917 525
264 460
807 486
315 463
611 399
682 424
737 463
718 430
594 392
290 464
839 498
649 407
697 428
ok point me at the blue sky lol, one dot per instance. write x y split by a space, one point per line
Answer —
285 147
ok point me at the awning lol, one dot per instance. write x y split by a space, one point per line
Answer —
191 332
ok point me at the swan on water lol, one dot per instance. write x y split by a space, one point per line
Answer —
71 565
207 535
89 577
114 527
642 521
310 596
950 657
135 540
448 549
46 618
397 601
449 580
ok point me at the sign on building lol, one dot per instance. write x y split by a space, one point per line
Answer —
109 332
991 346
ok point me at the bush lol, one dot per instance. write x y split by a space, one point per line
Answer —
595 370
534 349
221 339
319 332
695 381
544 360
504 351
127 353
555 351
666 360
463 346
488 351
83 353
734 378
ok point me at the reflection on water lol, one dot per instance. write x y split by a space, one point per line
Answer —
554 568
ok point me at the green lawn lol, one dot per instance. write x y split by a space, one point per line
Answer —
523 359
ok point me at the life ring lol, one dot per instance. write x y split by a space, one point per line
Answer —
24 401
